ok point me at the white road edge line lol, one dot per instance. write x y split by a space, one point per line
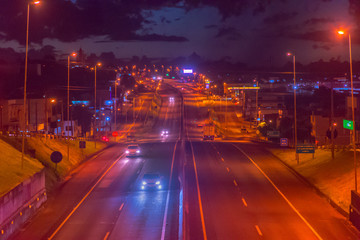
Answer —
107 235
281 194
199 195
83 199
197 181
121 207
258 230
235 183
168 195
243 199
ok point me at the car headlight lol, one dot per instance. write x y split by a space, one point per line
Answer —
144 183
157 182
138 151
127 151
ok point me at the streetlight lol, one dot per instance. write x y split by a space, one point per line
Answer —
340 32
25 78
295 126
115 107
95 129
68 105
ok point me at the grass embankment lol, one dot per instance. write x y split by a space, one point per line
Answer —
334 178
11 173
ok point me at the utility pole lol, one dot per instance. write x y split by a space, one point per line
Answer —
115 107
257 108
331 121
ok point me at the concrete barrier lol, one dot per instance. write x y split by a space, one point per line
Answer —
18 205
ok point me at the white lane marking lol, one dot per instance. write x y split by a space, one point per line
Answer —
281 194
227 169
235 183
168 195
222 159
199 195
258 230
121 207
107 235
243 199
83 199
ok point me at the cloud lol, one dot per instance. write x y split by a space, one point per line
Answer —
315 21
279 17
229 32
210 26
71 21
316 36
325 47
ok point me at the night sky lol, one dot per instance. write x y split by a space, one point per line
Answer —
250 31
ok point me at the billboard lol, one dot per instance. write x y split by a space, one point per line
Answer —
187 70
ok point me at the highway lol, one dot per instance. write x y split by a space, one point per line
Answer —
211 190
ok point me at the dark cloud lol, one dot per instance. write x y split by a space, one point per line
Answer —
279 17
210 26
150 38
229 32
69 21
325 47
316 36
315 21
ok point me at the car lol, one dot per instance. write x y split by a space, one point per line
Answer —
164 133
151 181
133 150
171 99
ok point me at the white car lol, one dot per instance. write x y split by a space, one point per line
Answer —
133 150
164 133
151 180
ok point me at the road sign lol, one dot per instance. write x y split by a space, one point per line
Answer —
56 157
347 124
305 149
273 133
82 144
115 134
284 142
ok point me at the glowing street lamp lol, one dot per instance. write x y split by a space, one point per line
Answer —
295 125
341 32
25 79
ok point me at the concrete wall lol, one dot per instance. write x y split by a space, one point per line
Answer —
18 205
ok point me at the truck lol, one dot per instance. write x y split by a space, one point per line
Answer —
209 131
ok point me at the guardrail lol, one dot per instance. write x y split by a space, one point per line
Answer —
43 135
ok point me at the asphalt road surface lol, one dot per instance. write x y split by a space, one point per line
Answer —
210 190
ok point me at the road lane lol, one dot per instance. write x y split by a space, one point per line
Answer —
97 213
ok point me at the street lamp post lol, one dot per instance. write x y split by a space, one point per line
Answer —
115 106
352 108
25 80
295 125
95 128
68 105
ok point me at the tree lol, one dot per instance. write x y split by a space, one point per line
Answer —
83 116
